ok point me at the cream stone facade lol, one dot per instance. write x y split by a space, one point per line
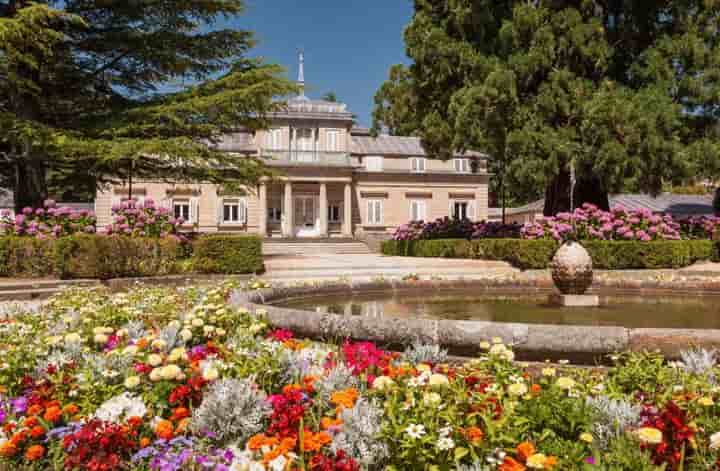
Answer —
333 180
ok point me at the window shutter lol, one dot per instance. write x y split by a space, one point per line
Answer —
471 211
243 211
219 210
380 212
194 210
370 216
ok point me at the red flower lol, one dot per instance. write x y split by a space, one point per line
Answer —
340 462
98 446
677 434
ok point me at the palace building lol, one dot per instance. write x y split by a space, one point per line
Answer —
333 180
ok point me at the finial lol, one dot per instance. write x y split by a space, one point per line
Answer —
301 72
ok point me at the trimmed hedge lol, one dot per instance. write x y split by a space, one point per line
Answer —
537 254
228 254
105 257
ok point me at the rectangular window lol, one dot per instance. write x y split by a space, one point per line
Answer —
417 210
181 209
333 140
461 210
373 163
334 213
418 164
274 214
462 165
273 139
374 212
233 211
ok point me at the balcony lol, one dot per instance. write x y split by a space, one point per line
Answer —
306 158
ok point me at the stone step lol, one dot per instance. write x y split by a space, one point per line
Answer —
27 294
17 285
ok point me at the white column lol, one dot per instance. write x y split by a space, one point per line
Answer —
288 211
262 222
323 210
347 211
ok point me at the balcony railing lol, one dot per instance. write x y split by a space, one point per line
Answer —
306 157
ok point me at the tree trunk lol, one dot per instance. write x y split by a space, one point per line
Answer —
587 190
30 184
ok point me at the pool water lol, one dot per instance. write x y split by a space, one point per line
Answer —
680 312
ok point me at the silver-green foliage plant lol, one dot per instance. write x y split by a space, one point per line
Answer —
359 435
424 353
612 418
232 410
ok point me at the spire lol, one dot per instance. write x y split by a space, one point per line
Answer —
301 73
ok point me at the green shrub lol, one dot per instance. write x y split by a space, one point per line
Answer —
537 254
228 254
90 256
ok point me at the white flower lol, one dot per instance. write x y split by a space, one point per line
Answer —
156 375
220 332
432 399
73 338
154 359
132 382
101 339
438 380
171 372
415 431
185 335
445 443
158 344
130 350
210 374
278 464
445 432
382 382
715 441
120 408
197 322
517 389
548 372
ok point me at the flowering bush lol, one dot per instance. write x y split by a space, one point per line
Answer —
184 379
143 219
447 228
49 221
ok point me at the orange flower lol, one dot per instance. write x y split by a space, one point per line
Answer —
328 422
510 464
535 388
142 343
309 382
164 429
183 425
135 421
37 431
8 449
286 445
345 398
315 441
474 435
179 414
550 462
53 414
525 450
30 422
19 437
291 388
35 409
50 404
35 452
145 442
71 409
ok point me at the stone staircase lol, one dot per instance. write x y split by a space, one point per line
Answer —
325 246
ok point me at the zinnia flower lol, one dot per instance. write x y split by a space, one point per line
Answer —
34 453
650 435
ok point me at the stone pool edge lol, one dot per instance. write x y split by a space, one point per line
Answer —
530 341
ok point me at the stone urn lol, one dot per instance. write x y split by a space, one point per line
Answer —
572 269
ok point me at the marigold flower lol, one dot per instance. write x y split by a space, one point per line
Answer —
35 409
328 422
179 413
164 429
37 431
53 414
474 434
8 449
315 441
30 422
345 398
183 425
34 453
71 409
145 442
525 450
509 464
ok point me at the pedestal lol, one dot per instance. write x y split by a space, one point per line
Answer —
574 300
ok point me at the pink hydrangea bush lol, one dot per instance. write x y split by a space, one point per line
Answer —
700 227
447 228
592 223
145 219
49 221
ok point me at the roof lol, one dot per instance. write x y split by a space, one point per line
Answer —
7 199
664 203
393 145
302 107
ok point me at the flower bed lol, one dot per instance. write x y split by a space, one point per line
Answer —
169 380
49 221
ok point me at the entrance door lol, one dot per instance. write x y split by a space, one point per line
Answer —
307 223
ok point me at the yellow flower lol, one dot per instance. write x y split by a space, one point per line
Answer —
210 374
132 382
130 350
171 372
536 461
548 371
715 441
154 359
423 367
156 375
432 399
197 322
382 382
159 344
518 389
176 354
485 345
497 340
185 334
101 339
73 338
586 437
565 383
438 380
649 435
706 401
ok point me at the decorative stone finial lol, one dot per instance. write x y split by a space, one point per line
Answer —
301 72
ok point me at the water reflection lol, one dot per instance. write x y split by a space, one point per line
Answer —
630 311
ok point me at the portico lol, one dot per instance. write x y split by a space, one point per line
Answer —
302 206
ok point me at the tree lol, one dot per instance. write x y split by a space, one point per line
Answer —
626 94
86 92
330 96
394 109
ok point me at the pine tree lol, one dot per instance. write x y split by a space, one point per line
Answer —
92 90
624 93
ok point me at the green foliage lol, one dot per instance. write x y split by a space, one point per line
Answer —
96 91
537 254
228 254
625 93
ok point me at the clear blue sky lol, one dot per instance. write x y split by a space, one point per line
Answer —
349 44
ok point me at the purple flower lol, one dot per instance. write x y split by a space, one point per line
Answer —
19 405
